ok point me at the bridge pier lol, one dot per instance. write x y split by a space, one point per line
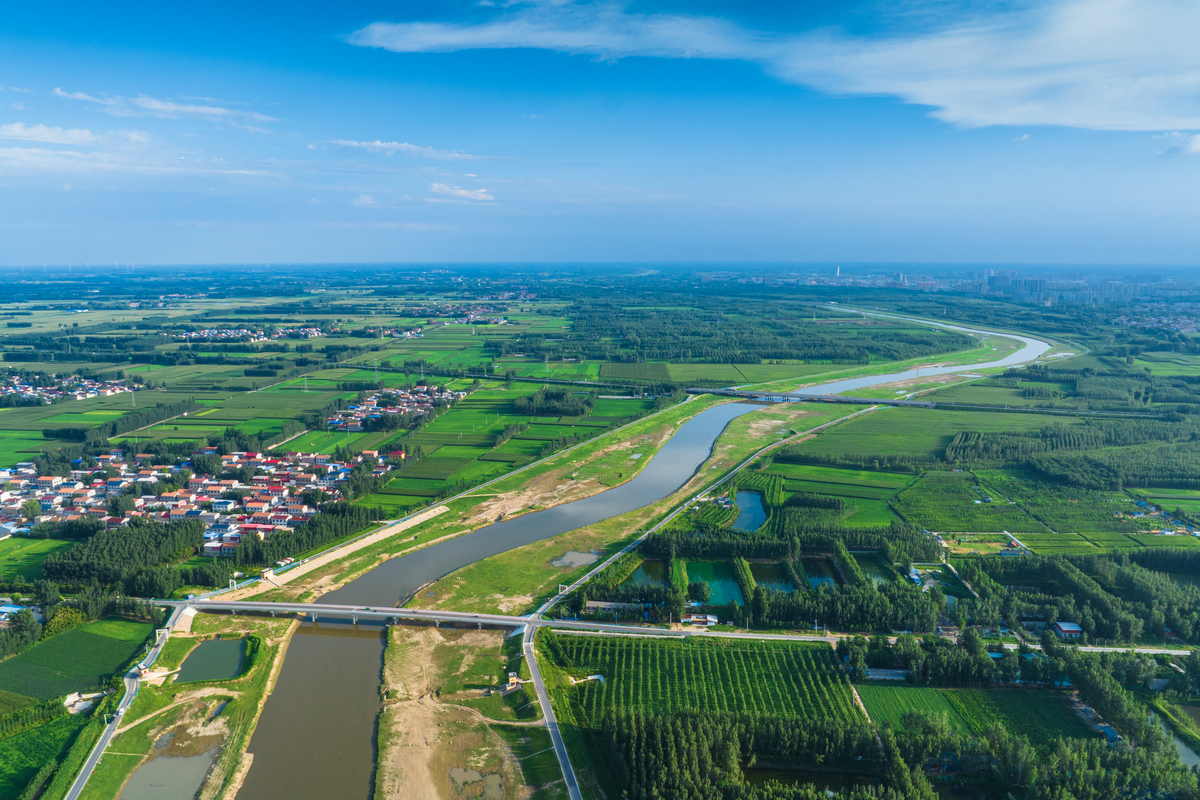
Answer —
312 615
480 624
354 619
272 613
437 623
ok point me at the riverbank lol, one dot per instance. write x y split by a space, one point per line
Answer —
589 469
520 580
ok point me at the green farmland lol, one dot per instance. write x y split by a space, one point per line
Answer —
1040 715
78 660
661 675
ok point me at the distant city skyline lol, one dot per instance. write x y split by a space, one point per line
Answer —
1007 133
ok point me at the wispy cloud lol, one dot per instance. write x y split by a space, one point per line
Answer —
42 133
1098 64
459 193
145 106
1184 144
416 150
364 201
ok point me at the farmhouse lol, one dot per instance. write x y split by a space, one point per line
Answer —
1068 630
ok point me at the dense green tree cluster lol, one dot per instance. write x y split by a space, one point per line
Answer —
111 556
560 401
692 754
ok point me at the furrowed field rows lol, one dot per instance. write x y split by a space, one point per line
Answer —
799 680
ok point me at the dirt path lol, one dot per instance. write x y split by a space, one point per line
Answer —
183 697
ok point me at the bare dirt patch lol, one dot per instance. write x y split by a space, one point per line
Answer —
431 749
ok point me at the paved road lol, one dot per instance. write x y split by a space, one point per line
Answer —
560 747
132 683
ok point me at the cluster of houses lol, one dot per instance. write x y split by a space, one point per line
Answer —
247 335
1160 317
70 388
270 503
419 400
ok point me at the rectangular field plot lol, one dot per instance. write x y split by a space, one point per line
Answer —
1040 715
663 675
916 431
24 557
1058 543
946 501
869 514
69 662
833 475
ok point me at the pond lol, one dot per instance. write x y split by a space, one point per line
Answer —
648 573
771 577
819 572
720 578
168 778
874 568
213 660
752 513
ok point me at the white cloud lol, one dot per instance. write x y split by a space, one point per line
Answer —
145 106
421 151
42 133
1186 145
365 201
458 193
1099 64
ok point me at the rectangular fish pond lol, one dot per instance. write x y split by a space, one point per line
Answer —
771 577
819 572
213 660
648 573
875 568
720 578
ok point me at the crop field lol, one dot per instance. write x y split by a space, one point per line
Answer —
1063 508
946 501
662 675
69 662
21 756
23 557
1040 715
869 514
460 445
917 431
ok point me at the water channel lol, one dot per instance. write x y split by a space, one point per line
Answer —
316 736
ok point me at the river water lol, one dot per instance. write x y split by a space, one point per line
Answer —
1030 350
316 736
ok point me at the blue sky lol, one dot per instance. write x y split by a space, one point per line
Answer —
1038 132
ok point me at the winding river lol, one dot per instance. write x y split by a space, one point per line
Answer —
316 737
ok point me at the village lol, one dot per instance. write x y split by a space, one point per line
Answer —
72 387
282 495
378 405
